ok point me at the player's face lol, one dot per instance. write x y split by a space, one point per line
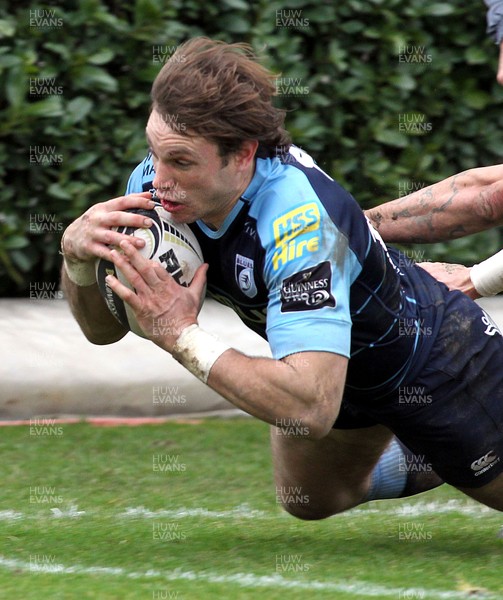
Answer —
191 179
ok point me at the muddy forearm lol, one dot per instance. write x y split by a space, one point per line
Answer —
457 206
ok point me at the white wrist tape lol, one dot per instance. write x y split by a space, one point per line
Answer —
487 276
198 350
81 273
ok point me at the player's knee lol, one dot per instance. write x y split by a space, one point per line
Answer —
314 509
307 512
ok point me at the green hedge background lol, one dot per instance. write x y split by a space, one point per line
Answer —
76 78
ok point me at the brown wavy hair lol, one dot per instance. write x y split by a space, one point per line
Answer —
220 92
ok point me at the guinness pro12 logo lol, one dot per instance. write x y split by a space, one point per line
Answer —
308 289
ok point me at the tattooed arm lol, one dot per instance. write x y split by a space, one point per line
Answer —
457 206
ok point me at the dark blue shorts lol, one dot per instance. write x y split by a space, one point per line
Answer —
451 413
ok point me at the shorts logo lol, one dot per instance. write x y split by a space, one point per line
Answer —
491 327
308 289
484 463
244 276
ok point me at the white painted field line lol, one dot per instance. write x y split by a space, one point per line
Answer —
244 511
72 512
248 580
10 515
419 509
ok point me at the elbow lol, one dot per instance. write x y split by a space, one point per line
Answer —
485 189
317 423
318 431
321 412
490 204
306 427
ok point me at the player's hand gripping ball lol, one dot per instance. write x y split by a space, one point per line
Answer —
171 244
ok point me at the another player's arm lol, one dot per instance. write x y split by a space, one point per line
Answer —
457 206
478 281
455 277
87 238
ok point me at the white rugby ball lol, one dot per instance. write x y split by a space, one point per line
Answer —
171 244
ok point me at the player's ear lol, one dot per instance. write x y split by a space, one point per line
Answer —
246 153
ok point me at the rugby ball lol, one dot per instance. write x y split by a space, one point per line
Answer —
171 244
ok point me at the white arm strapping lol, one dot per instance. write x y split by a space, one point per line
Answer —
197 350
487 276
80 272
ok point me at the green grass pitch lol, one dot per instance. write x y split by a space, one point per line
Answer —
189 511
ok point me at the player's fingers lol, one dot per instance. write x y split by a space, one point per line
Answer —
138 264
125 293
113 213
161 271
124 219
111 237
100 220
90 235
99 243
134 278
141 200
198 283
114 238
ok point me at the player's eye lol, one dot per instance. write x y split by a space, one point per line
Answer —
182 163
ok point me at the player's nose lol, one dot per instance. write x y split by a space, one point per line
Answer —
164 177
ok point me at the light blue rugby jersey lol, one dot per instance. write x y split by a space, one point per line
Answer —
299 263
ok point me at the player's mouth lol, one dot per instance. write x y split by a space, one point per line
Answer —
171 205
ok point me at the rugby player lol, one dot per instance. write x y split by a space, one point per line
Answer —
356 330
